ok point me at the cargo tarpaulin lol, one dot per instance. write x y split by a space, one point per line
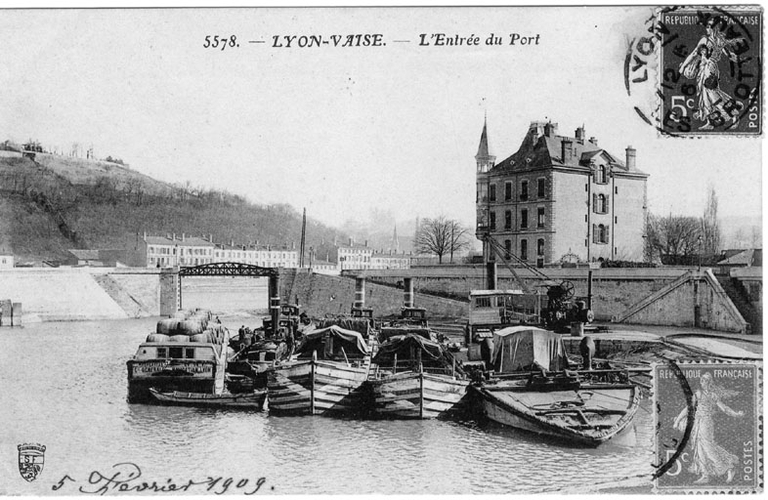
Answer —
523 348
403 346
328 342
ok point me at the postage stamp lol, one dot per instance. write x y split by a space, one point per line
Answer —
707 427
711 70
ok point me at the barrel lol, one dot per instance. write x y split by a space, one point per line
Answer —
190 327
157 337
168 325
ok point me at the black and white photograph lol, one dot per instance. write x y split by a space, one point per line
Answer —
375 250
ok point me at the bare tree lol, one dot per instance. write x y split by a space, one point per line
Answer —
675 238
440 236
710 226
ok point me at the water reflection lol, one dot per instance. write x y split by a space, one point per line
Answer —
71 394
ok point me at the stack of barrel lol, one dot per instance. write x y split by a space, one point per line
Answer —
189 326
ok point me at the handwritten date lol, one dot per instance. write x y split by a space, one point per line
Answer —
125 478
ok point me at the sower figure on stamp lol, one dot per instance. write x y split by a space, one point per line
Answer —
709 458
702 65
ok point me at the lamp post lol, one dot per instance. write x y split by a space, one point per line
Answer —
699 242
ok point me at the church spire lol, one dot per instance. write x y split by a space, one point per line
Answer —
482 150
395 241
483 157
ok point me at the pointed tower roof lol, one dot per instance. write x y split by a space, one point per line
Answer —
482 150
395 240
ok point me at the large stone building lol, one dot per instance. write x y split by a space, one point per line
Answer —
560 199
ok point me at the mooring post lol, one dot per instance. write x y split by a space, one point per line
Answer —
274 302
408 292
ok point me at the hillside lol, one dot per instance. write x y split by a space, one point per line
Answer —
54 203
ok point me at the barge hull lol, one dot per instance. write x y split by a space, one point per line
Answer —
414 395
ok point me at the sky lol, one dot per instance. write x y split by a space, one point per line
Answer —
343 131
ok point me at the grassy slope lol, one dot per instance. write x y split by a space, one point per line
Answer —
98 200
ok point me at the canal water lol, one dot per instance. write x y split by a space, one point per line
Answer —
64 387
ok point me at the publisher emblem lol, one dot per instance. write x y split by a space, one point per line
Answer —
31 460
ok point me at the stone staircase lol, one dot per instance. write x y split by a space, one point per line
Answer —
125 300
739 297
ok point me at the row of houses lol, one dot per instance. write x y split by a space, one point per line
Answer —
172 250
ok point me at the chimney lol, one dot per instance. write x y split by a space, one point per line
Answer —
593 140
631 152
183 236
210 238
351 241
567 150
366 243
145 236
174 237
580 134
231 242
550 129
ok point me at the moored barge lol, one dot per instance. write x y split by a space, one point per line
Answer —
326 375
186 353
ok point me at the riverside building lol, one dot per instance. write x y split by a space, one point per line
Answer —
560 199
172 250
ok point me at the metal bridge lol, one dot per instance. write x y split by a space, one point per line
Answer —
239 269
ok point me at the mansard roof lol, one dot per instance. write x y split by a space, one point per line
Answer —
544 151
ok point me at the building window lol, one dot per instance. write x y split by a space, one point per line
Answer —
508 219
524 249
507 191
540 246
600 203
540 217
524 219
524 190
602 174
493 221
540 192
482 193
599 233
507 249
492 193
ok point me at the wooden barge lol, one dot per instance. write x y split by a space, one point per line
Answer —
415 377
326 375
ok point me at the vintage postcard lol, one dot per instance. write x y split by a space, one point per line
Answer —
381 250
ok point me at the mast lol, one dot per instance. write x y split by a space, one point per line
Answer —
303 237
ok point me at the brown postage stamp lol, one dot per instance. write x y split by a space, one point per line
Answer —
708 432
